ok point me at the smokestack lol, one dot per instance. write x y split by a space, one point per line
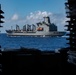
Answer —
47 20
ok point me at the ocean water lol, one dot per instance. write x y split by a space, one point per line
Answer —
41 43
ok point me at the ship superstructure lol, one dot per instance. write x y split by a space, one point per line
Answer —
44 28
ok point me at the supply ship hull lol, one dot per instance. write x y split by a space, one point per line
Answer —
43 34
44 28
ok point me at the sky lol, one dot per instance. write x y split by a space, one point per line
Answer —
23 12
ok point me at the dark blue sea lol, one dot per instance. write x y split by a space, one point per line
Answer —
41 43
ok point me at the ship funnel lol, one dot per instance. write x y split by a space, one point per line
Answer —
47 20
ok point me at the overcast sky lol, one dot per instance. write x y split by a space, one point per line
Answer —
23 12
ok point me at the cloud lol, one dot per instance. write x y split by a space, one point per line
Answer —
35 17
57 18
14 17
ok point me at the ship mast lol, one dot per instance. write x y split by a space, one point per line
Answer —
1 16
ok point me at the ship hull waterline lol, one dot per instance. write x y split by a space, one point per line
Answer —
37 34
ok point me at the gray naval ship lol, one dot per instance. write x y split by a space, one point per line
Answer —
44 28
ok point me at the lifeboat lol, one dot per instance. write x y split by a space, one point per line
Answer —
40 29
